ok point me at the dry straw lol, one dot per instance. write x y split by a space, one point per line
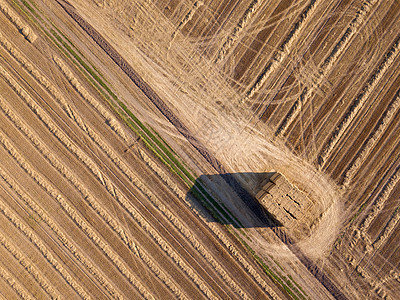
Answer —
187 18
326 66
117 161
379 203
29 267
387 231
235 34
25 30
114 225
14 284
381 200
359 102
78 220
376 285
374 211
44 217
366 149
183 229
121 199
114 124
52 192
43 250
42 80
221 236
392 275
285 48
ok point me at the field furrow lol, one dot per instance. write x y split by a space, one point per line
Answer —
305 79
44 251
298 70
235 34
30 268
284 49
379 203
345 79
372 140
358 103
119 196
186 19
25 30
13 282
61 235
114 124
105 181
137 137
74 216
367 119
76 182
326 66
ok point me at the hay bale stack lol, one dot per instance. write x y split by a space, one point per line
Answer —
285 203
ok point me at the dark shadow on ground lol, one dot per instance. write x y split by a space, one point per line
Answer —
245 186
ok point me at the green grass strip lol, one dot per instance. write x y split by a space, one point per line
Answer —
24 11
68 51
165 156
276 279
162 140
150 140
290 284
160 144
75 47
299 287
221 207
165 151
31 9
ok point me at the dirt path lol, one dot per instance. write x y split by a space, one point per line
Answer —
163 108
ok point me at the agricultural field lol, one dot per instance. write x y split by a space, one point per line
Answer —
135 135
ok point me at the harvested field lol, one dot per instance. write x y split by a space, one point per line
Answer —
136 134
87 210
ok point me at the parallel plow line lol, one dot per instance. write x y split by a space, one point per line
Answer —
367 147
387 231
186 19
109 186
60 235
163 108
359 102
314 127
234 35
114 124
182 228
14 284
121 199
25 30
52 192
97 207
296 63
45 218
29 267
154 98
326 66
78 220
374 211
44 251
284 49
